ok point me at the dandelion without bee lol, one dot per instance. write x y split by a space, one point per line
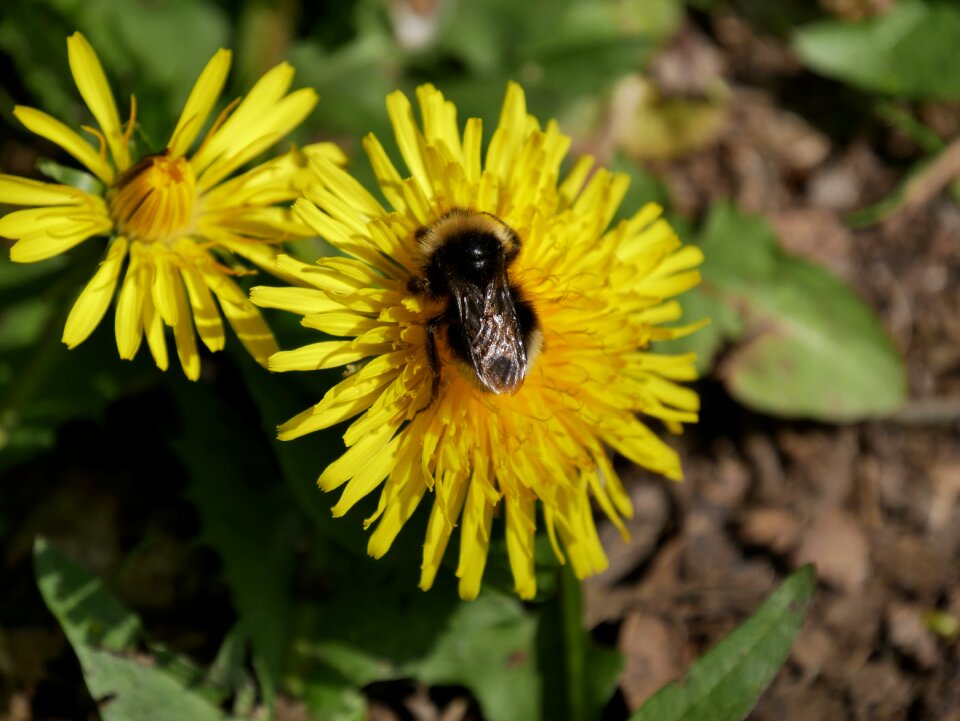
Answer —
182 226
497 332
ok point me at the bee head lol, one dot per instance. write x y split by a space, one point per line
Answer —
472 255
466 247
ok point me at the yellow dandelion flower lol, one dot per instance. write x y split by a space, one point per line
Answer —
178 224
598 294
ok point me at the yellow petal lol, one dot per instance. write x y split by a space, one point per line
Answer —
259 120
262 255
92 304
440 121
23 191
349 189
128 324
341 324
202 98
95 90
474 535
280 180
183 333
511 131
399 502
520 530
50 220
46 126
472 138
243 316
282 117
302 301
387 175
367 479
58 239
439 528
206 317
153 328
165 281
409 139
317 356
356 458
335 275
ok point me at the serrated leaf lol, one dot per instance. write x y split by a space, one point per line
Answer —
105 636
810 347
726 683
910 50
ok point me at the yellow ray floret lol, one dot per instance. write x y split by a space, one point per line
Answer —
177 228
600 293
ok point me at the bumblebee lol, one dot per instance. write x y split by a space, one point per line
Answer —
490 327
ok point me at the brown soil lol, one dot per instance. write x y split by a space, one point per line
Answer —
874 505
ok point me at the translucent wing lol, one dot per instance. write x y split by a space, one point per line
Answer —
490 335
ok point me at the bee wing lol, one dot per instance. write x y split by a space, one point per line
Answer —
492 336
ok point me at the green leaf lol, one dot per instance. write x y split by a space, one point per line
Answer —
38 374
246 519
487 645
726 683
725 324
105 636
809 347
362 627
574 49
279 397
89 615
73 177
910 50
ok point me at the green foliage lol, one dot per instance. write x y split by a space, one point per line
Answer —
233 495
579 676
726 683
910 50
153 50
488 645
561 55
807 346
39 386
106 638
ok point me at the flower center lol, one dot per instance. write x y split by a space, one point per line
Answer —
154 200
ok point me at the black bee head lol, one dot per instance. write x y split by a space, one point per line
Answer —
472 255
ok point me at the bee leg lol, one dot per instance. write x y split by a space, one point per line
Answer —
433 359
418 286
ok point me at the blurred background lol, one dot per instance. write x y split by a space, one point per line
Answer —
810 147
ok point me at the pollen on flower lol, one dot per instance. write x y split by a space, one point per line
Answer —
154 200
